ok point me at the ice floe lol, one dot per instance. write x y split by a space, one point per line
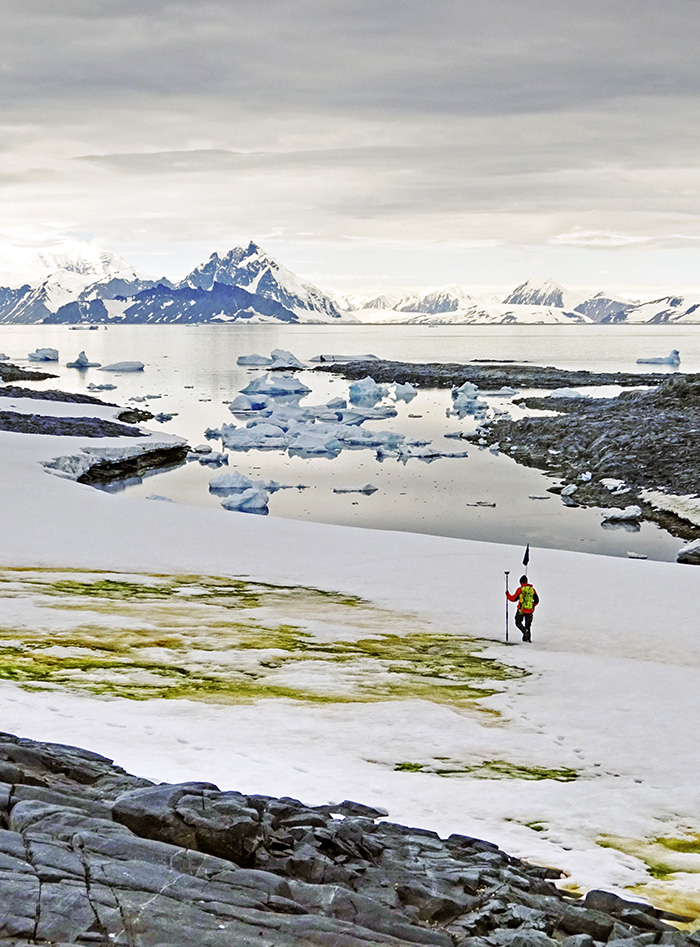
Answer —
367 488
123 367
254 360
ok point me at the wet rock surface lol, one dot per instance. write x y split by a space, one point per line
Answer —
488 377
92 855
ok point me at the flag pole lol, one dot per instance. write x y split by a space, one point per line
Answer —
507 574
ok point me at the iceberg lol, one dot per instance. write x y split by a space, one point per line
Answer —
43 355
164 416
368 489
252 500
235 482
243 405
107 387
283 359
82 361
336 403
261 361
123 367
673 358
277 385
366 391
3 357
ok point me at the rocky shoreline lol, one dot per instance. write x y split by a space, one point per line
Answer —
647 440
92 855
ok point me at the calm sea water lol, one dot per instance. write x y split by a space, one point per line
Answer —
194 370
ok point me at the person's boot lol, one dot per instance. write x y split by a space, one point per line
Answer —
526 636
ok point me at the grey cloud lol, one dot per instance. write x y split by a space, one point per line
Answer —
448 57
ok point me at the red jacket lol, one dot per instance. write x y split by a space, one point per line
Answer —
515 597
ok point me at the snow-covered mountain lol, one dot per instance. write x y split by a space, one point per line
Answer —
542 293
254 270
444 299
669 309
81 283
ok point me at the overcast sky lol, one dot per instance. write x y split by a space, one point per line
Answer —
370 144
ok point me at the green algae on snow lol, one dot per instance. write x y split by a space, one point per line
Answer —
490 769
213 638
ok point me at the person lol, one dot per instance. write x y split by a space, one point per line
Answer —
527 599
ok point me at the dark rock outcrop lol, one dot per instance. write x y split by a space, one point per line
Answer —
10 372
89 854
488 377
64 427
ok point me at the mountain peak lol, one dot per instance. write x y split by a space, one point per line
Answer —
543 292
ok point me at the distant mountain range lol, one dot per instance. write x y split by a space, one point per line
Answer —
81 284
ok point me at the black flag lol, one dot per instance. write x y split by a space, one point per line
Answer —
526 557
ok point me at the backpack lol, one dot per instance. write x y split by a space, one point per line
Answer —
527 598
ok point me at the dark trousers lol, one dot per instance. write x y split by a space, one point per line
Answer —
523 621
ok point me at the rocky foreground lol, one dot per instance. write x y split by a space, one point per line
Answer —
92 855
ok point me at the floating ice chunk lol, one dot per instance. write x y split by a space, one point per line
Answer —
123 367
243 405
359 437
335 403
201 449
614 485
164 416
690 554
3 357
214 459
107 387
366 391
406 392
272 438
43 355
144 397
82 361
308 442
252 500
235 482
343 358
466 402
567 393
283 359
276 385
368 488
505 392
673 358
636 555
360 414
256 360
212 433
630 514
